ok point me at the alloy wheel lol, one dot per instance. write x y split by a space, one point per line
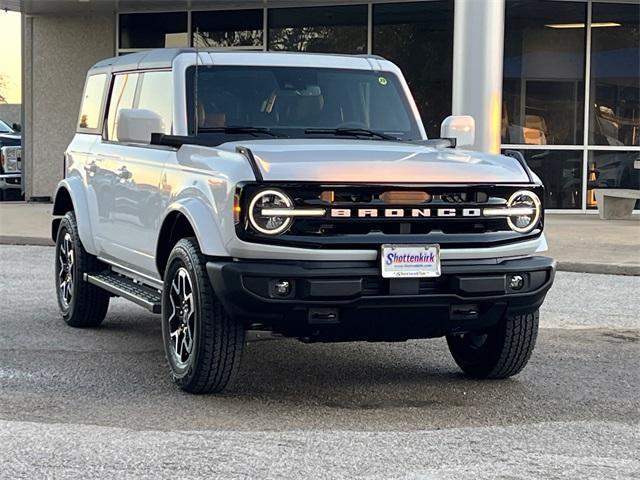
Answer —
182 317
66 259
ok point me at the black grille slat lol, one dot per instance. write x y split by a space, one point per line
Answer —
372 286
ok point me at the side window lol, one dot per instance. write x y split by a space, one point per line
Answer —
122 95
91 107
156 94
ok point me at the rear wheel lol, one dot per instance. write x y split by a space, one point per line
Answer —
203 344
499 352
81 304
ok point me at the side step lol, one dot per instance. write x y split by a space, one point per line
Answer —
120 286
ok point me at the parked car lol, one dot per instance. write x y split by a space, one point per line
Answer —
295 193
10 161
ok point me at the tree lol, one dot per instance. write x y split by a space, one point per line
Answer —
3 86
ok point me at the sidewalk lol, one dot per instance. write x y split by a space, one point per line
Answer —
580 243
25 223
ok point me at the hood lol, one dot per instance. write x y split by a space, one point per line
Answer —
363 161
10 139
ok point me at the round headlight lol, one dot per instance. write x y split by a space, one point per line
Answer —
269 199
526 210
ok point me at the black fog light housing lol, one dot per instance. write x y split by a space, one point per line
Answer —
281 288
516 282
525 210
269 224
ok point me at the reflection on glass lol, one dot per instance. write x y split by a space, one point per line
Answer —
561 173
156 94
153 30
290 100
615 75
612 170
232 28
319 29
92 101
404 32
122 94
543 91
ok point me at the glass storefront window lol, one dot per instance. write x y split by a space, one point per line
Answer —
232 28
341 29
609 169
404 32
615 75
153 30
544 55
561 173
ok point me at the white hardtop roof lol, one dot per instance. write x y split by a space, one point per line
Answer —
164 58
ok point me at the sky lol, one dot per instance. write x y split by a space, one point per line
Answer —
10 55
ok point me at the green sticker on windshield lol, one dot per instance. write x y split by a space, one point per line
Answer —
382 81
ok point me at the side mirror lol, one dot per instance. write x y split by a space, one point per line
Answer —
17 127
461 128
135 125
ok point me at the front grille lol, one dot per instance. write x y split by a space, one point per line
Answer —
362 215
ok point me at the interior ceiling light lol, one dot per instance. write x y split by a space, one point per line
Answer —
581 25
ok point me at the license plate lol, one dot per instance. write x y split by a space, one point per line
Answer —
410 261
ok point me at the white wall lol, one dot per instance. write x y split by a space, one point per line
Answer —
11 112
57 52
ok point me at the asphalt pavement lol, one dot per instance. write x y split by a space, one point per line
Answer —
100 403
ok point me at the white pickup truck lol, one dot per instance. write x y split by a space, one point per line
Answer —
294 193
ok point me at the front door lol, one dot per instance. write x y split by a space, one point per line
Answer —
130 227
130 174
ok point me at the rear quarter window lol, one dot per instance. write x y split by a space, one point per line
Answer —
92 103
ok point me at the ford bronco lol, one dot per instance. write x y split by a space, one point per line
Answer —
295 193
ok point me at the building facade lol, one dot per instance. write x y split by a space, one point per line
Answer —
567 73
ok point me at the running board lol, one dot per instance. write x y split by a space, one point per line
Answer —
120 286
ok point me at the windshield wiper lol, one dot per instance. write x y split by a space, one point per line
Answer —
240 129
350 132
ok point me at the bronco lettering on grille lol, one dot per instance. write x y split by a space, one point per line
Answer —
404 212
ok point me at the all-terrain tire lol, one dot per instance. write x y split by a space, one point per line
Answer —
82 305
501 352
216 339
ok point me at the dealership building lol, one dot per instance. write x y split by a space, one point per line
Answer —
557 80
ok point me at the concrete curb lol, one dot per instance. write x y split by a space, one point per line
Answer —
18 240
578 267
602 268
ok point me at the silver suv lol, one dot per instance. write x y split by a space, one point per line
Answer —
294 193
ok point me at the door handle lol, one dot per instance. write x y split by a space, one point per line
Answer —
124 173
91 167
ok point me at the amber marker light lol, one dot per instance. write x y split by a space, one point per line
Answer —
400 197
236 209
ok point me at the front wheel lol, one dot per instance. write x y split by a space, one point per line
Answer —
203 344
499 352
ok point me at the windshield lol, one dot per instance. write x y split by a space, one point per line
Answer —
295 101
5 128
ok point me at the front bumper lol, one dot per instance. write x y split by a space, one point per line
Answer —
10 181
351 301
